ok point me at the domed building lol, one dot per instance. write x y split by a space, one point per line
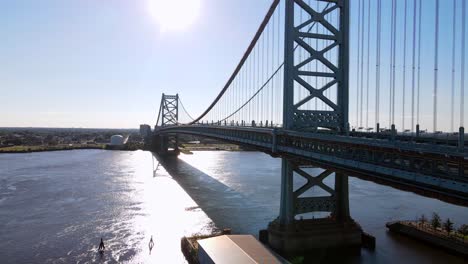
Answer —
116 140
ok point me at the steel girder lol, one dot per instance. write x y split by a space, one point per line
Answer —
441 169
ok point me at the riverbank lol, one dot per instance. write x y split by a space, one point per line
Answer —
42 148
185 148
428 235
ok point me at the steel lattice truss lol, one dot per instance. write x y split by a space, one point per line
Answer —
332 74
170 110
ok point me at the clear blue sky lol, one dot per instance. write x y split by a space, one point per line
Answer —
88 63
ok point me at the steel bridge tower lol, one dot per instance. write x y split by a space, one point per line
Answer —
169 116
287 233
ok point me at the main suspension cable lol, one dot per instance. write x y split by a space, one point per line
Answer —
185 110
242 61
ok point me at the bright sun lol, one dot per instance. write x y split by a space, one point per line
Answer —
174 14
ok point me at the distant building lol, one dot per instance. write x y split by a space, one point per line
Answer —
116 140
145 130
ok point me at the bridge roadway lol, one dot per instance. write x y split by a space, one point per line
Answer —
423 164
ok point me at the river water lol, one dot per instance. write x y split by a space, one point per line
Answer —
55 206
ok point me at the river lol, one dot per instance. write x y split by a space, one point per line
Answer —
55 206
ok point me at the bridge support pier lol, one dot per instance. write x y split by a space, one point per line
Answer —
166 145
289 234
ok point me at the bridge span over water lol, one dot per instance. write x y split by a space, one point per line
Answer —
289 96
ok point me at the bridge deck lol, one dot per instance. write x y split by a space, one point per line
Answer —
425 163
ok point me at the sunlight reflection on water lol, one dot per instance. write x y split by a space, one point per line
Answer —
51 213
55 206
169 212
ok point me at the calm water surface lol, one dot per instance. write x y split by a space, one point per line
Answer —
55 206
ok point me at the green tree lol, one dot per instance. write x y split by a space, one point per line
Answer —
463 230
448 226
423 219
436 221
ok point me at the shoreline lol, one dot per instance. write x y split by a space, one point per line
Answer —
31 149
184 148
428 236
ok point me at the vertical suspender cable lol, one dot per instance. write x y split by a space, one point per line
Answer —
404 67
413 65
462 82
454 26
278 89
394 61
419 62
271 85
377 64
262 93
241 84
246 82
267 93
368 62
362 60
247 90
358 63
436 64
391 65
281 78
257 116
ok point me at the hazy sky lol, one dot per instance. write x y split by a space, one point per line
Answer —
96 63
103 63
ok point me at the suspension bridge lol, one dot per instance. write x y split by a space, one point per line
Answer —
371 88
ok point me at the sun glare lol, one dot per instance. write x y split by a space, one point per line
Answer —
174 15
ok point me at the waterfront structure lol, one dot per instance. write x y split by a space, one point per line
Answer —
295 105
145 130
428 235
116 140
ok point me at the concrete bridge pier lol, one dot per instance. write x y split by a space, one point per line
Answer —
292 234
166 145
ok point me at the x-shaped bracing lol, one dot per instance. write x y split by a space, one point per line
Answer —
314 204
332 67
